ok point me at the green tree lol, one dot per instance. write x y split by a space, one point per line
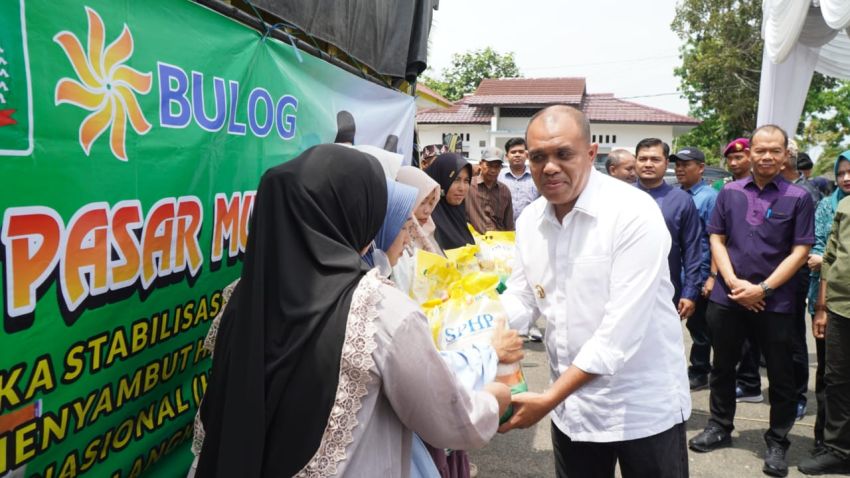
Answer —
826 123
721 68
468 69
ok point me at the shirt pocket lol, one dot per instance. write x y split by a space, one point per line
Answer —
778 227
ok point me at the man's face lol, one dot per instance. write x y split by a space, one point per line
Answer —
651 163
625 170
688 173
490 171
738 164
807 173
517 156
560 159
768 154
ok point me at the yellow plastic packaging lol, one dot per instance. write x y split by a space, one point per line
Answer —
469 316
465 258
497 252
432 276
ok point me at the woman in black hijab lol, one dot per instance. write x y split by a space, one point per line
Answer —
454 175
297 379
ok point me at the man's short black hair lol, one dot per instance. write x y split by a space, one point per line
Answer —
515 142
651 143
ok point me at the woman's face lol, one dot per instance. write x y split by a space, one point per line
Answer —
457 191
843 176
400 243
423 212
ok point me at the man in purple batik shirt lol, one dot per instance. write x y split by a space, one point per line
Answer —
761 231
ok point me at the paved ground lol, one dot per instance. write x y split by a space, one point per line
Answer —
528 453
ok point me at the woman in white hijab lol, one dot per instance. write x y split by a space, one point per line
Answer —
422 229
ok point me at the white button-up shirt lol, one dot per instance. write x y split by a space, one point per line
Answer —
600 278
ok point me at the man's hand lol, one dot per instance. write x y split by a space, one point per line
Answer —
749 295
708 287
529 408
507 343
502 393
686 308
819 324
814 262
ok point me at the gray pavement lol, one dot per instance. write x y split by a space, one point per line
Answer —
528 453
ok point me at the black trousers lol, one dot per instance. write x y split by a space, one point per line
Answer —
820 348
800 353
700 355
774 334
664 455
748 376
837 380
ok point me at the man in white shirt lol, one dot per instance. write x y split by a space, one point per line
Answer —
589 261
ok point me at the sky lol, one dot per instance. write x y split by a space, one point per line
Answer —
625 47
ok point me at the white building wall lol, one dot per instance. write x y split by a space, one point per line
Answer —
473 136
609 136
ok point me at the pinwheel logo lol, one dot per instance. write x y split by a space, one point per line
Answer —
106 87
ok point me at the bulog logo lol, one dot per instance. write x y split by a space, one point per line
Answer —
107 86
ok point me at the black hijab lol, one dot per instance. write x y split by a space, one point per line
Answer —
452 231
277 357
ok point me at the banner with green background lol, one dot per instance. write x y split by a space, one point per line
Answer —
132 138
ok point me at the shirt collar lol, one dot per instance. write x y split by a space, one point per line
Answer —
511 173
696 187
479 181
586 203
749 181
659 188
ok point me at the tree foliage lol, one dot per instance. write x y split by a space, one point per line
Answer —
720 72
468 69
721 67
826 123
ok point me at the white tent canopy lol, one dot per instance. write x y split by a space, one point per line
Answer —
800 37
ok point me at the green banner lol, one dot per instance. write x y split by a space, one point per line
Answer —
132 138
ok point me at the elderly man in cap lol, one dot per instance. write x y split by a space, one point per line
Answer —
489 204
690 166
682 219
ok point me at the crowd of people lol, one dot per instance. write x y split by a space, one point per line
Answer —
324 366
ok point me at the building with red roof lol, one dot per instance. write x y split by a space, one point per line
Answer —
500 109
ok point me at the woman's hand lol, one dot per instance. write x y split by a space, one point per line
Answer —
815 262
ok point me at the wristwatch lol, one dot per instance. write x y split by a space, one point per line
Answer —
766 288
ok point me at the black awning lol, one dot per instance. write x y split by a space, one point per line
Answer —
389 36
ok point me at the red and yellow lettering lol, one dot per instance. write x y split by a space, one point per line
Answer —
244 216
225 226
187 248
32 236
126 217
86 252
157 241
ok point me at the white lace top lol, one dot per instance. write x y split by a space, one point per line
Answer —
392 383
